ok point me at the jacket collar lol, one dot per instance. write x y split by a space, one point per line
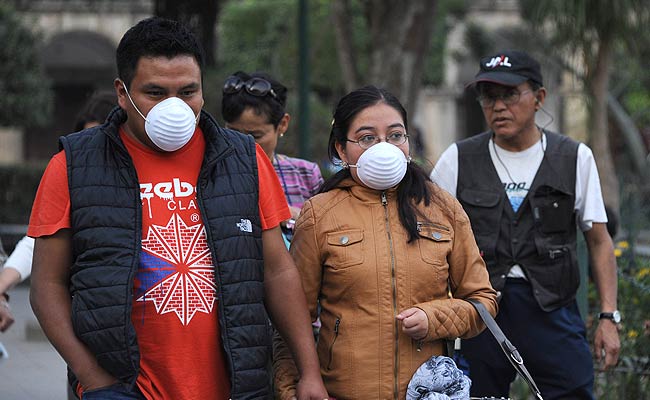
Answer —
366 194
217 145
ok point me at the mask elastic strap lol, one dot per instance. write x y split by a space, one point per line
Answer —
131 100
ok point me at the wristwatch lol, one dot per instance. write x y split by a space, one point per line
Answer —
615 316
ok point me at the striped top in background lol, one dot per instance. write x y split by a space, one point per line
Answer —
300 179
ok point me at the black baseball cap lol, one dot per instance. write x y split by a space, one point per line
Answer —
508 68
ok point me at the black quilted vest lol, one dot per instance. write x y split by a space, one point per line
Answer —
106 233
541 235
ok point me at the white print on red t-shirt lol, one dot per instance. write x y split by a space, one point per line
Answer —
179 195
176 271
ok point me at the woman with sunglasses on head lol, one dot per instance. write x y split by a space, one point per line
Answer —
390 257
255 104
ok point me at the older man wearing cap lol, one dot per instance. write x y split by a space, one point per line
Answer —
526 190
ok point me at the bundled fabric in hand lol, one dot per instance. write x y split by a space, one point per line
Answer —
438 379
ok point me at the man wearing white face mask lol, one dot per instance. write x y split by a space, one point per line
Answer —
379 249
158 249
170 124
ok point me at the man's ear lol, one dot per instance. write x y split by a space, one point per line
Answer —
120 91
539 98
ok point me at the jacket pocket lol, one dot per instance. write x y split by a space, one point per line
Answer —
344 248
557 274
552 209
334 354
435 243
484 211
337 325
480 198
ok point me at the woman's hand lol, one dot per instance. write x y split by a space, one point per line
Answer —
415 323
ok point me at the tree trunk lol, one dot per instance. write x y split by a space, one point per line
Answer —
400 34
598 85
400 37
346 52
632 137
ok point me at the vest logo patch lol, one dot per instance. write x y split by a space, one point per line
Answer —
245 225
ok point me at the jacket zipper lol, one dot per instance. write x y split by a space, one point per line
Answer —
384 203
336 335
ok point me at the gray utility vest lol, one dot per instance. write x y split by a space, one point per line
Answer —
106 217
541 235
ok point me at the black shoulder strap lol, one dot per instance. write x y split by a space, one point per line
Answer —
508 348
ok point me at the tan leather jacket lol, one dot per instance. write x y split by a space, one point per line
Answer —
353 256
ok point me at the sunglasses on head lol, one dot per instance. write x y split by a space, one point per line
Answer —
255 86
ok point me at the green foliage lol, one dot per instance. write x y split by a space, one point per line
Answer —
448 13
631 378
579 24
637 102
631 81
586 20
249 31
260 35
25 97
263 35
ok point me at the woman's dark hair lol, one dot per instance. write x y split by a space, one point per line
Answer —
155 37
97 108
414 189
234 104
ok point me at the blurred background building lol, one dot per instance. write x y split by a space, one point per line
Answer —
79 37
78 54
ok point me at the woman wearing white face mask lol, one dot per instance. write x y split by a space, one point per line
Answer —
380 248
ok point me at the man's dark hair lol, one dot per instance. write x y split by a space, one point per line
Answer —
96 109
155 37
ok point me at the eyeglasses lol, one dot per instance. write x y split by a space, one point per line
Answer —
256 86
367 141
509 98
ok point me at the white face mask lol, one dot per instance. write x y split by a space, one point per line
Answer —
382 166
170 124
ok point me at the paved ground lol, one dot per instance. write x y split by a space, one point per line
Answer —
33 370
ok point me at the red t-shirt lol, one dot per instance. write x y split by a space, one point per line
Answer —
175 295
